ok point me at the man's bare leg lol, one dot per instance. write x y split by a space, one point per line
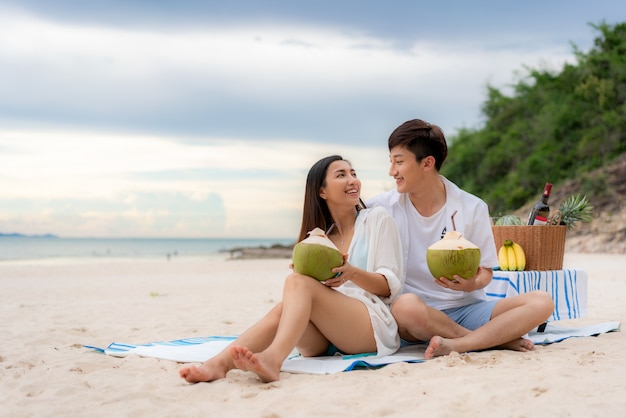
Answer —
511 318
439 346
419 322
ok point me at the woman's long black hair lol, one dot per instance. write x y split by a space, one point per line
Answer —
315 213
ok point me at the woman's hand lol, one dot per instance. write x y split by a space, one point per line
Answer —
375 283
343 273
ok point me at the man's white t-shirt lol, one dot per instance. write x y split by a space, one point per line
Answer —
417 233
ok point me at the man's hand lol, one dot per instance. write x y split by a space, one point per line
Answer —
481 279
459 283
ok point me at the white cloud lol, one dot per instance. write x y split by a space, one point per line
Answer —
111 174
64 157
79 182
101 66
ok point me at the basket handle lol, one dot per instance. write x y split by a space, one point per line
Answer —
555 218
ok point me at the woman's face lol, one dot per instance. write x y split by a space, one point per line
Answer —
342 185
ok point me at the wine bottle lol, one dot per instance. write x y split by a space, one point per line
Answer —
541 211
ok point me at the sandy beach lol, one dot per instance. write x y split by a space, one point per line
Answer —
50 309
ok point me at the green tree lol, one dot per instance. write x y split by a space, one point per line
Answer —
556 125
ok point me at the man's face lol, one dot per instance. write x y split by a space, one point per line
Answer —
404 168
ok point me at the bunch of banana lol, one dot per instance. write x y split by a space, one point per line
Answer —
511 256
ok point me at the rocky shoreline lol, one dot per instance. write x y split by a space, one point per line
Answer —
246 253
606 234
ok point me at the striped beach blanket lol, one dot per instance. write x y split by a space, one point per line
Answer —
192 350
568 289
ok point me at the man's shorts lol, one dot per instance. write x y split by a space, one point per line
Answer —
472 316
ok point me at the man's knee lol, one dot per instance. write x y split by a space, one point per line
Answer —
543 302
408 309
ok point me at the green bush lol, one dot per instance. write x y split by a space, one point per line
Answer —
556 125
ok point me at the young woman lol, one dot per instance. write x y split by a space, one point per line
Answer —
349 313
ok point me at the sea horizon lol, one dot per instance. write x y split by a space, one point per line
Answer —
15 247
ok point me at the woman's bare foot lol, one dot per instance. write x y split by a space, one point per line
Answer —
207 372
245 359
519 344
439 346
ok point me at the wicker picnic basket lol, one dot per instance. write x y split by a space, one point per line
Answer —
544 246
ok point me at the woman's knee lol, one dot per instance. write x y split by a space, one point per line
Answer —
298 281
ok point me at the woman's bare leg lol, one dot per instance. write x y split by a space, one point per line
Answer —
335 317
258 337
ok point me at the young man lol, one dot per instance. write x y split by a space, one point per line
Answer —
452 315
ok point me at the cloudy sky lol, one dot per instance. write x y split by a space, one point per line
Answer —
147 118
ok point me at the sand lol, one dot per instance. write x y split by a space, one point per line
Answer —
50 309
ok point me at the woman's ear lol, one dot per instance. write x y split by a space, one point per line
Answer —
322 193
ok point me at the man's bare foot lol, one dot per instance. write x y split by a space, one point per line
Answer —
207 372
439 346
519 344
245 359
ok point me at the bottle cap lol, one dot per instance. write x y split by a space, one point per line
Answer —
547 189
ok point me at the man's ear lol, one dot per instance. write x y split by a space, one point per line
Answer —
429 162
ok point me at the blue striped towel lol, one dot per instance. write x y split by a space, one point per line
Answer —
197 350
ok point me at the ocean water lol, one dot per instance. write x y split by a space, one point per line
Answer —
36 248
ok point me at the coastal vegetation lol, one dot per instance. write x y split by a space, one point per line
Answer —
555 126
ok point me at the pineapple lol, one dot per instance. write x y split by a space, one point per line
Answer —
575 209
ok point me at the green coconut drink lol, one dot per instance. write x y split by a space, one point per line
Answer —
453 255
316 256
